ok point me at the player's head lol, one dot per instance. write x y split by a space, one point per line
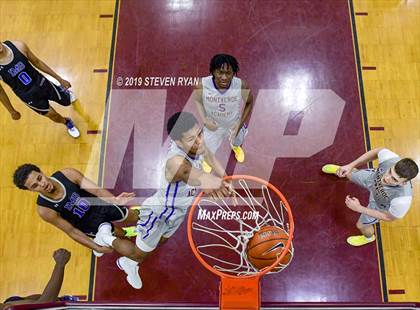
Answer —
184 129
30 177
223 67
403 171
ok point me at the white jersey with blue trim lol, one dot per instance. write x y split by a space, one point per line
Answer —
177 195
223 107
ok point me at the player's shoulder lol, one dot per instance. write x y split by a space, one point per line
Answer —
176 168
175 162
20 45
72 174
199 85
385 154
244 84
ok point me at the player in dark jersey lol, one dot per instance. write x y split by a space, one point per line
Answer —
17 70
76 205
52 289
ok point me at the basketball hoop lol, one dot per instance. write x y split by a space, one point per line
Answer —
223 232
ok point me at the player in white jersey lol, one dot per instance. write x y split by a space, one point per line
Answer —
162 214
219 99
389 186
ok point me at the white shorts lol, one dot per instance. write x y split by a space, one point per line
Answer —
214 139
365 179
155 222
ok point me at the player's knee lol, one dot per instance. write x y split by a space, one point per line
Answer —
52 115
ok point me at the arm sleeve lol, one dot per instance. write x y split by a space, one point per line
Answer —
386 154
400 206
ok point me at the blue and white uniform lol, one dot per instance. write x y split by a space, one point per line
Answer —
225 108
163 213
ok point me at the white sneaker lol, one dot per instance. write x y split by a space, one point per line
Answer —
73 96
104 228
71 129
131 268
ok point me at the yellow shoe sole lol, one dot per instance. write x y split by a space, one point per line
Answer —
130 231
330 169
239 153
359 240
206 167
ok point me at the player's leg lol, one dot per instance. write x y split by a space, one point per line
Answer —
236 144
150 228
128 229
365 224
101 224
64 97
114 237
367 230
56 117
213 140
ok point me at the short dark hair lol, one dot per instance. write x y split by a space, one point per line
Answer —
407 168
220 59
21 174
179 123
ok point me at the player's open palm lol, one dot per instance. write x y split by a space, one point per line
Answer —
343 171
61 256
124 198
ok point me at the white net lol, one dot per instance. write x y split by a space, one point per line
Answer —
222 229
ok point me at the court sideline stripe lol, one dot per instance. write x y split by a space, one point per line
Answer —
366 130
104 132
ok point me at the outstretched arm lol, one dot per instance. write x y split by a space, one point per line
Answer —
198 99
55 219
51 291
249 102
53 287
38 63
214 163
354 204
77 177
343 171
248 98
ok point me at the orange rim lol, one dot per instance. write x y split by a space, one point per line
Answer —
263 271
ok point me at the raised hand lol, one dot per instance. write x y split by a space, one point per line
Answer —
343 171
124 198
61 256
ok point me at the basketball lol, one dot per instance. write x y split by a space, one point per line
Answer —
266 245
